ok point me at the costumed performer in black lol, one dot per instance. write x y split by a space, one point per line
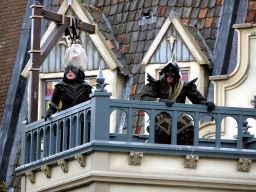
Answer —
71 89
171 89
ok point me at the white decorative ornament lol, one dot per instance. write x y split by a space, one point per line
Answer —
171 41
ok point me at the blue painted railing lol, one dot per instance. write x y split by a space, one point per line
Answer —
85 127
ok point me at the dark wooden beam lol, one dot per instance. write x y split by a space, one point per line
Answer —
85 26
49 15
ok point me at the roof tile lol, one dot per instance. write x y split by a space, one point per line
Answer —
133 90
125 48
142 78
189 3
194 13
115 29
136 78
140 46
250 16
211 12
202 13
179 10
215 24
55 2
180 3
159 22
128 58
124 18
210 43
107 2
135 36
219 2
118 18
112 10
93 2
251 5
120 7
84 1
139 90
121 1
131 15
120 38
212 3
168 10
126 6
110 44
186 20
106 10
214 33
217 11
208 22
207 33
136 26
129 26
162 2
156 32
197 3
135 68
133 5
114 2
142 69
142 35
155 3
152 26
137 59
161 11
150 34
133 47
147 3
138 14
200 23
127 38
144 27
100 3
147 45
111 19
155 10
122 28
186 12
140 4
193 22
204 4
172 3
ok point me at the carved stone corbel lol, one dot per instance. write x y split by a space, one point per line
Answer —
191 161
31 176
243 164
47 171
81 159
64 165
135 158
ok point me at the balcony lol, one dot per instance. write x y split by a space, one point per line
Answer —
86 127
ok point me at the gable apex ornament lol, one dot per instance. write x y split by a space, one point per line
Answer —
171 40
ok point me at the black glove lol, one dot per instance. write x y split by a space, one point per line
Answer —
210 105
168 102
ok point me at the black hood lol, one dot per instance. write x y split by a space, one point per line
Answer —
171 67
80 77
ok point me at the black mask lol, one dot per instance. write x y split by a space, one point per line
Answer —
71 68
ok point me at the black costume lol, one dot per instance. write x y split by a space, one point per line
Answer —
69 92
176 91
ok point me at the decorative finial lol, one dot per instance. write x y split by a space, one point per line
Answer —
246 127
100 84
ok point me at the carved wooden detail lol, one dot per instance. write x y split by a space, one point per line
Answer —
81 159
243 164
47 171
31 176
135 158
191 161
64 165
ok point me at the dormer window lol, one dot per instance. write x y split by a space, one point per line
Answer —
147 18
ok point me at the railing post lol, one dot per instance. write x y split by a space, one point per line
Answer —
23 144
100 110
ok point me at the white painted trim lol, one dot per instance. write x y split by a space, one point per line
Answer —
185 35
152 180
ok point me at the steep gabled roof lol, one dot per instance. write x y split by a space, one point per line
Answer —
190 39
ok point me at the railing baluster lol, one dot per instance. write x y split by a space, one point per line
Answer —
152 126
38 148
58 137
85 136
51 139
129 124
196 129
65 134
240 132
218 131
78 130
174 119
31 147
46 142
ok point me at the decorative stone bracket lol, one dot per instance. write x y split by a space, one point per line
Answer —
135 158
64 165
31 176
47 171
81 159
243 164
191 161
